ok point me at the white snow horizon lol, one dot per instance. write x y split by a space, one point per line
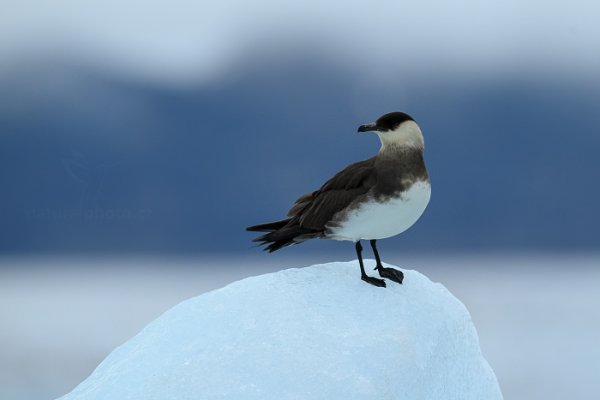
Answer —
61 316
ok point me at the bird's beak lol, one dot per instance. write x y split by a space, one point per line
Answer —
367 128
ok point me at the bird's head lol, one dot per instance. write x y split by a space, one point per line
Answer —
395 129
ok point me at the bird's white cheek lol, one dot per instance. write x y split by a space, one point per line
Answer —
408 134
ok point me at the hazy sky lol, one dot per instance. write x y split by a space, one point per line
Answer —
181 39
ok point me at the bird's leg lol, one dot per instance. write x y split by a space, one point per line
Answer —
390 273
364 276
376 253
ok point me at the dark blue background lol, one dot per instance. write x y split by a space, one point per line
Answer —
93 163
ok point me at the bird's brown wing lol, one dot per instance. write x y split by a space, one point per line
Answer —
316 209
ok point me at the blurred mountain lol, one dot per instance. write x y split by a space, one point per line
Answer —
94 162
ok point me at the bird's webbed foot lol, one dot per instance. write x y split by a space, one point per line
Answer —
373 281
390 273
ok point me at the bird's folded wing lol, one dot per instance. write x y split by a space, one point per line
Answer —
316 209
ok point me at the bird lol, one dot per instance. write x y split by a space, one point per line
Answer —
373 199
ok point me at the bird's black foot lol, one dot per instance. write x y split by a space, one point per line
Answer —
390 273
373 281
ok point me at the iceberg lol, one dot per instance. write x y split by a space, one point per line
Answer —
316 332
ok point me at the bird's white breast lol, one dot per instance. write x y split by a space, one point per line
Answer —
382 219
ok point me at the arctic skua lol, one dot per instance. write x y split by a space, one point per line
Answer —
373 199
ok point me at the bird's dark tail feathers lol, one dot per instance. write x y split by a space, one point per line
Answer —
282 233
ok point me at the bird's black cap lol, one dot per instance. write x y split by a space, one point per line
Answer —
386 122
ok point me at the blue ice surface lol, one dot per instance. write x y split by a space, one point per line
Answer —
317 332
